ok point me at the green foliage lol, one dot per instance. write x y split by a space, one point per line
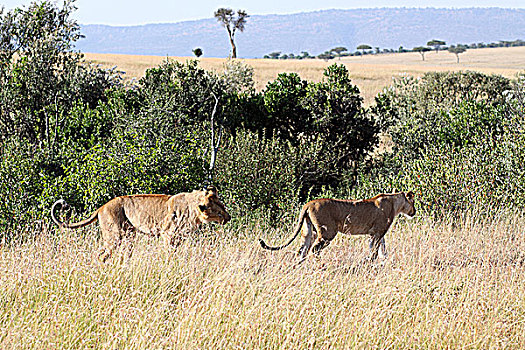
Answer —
41 78
133 164
436 43
237 77
197 52
258 174
22 172
348 134
70 130
456 50
458 141
414 111
176 94
287 118
364 47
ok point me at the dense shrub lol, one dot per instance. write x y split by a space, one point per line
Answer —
41 77
71 130
414 111
328 114
133 164
257 174
457 149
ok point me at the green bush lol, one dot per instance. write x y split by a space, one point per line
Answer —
465 151
41 77
414 111
256 174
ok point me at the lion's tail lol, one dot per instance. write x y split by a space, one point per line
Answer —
302 215
82 223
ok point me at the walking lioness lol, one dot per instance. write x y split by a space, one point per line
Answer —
327 217
153 214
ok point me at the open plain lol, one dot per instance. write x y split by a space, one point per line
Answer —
371 73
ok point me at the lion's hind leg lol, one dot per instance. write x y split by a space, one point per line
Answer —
113 230
307 239
320 245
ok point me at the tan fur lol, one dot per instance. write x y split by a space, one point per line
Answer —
152 214
327 217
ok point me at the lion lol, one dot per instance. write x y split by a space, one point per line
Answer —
327 217
153 214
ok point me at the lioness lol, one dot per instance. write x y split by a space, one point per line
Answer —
153 214
327 217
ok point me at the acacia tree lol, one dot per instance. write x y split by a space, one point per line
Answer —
421 50
456 50
364 47
340 50
227 18
436 44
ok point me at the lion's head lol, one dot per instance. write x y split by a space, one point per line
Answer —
211 208
408 204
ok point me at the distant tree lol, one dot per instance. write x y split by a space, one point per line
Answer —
274 55
378 50
227 18
436 44
339 50
327 55
421 50
364 47
197 52
305 54
456 50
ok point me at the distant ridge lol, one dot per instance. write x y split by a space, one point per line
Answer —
314 32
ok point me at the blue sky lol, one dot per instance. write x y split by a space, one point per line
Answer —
132 12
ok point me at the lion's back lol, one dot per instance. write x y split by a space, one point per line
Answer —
350 216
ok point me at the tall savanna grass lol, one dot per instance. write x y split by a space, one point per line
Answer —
456 282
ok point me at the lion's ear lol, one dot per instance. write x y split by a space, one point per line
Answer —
410 195
211 190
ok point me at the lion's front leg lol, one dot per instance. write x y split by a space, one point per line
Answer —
382 253
377 243
174 231
170 236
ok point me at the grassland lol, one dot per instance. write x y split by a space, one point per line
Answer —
370 73
444 285
451 283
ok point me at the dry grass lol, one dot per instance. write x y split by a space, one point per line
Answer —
370 73
442 286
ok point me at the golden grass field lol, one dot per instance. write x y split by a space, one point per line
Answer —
371 73
443 286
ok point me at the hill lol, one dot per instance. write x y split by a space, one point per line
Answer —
314 32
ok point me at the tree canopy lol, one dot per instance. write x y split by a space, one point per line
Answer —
436 44
232 22
456 50
421 50
197 52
